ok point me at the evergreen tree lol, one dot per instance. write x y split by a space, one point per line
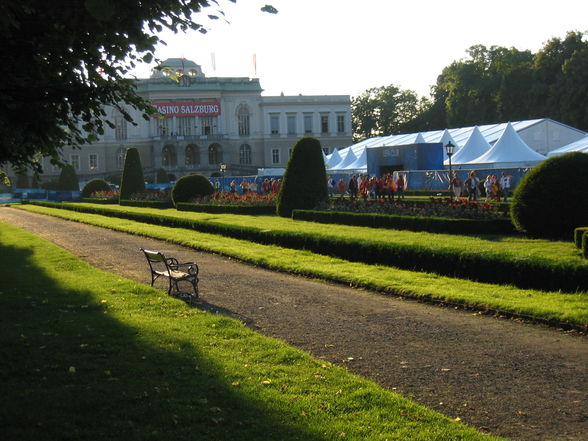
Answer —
132 181
305 179
68 179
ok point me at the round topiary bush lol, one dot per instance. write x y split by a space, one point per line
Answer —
132 181
68 179
552 199
190 187
93 186
162 176
305 179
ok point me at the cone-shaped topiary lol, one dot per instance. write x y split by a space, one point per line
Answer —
552 199
305 179
190 187
93 186
68 179
162 176
132 180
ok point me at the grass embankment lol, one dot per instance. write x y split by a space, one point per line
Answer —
525 263
571 308
89 355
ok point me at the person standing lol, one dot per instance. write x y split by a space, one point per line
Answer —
472 183
400 185
505 183
457 185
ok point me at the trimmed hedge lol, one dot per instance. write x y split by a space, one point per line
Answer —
190 187
411 223
93 186
229 209
578 233
132 181
491 268
585 244
99 201
147 204
68 179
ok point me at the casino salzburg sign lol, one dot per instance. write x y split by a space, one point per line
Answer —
188 109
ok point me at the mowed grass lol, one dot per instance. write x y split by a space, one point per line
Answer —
564 307
515 247
90 355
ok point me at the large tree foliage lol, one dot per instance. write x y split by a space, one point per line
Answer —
63 60
489 85
384 110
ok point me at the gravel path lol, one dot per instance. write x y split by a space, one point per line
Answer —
523 381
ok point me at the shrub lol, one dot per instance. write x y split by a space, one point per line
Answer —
578 232
190 187
132 178
305 181
162 176
68 179
5 184
585 244
22 181
93 186
551 200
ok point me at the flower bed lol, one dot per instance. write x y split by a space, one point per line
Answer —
250 199
436 207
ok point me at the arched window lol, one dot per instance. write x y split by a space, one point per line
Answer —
215 154
192 155
120 158
169 156
245 154
243 120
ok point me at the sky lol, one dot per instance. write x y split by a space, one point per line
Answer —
344 47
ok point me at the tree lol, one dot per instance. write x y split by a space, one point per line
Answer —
384 110
62 62
305 178
191 187
68 179
132 181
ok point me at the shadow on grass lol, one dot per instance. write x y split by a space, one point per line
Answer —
70 370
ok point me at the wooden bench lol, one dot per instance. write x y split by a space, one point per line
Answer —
175 272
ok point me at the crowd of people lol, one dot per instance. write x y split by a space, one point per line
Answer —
361 185
267 186
494 188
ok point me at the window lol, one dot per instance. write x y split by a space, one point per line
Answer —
324 124
120 127
291 122
75 161
192 155
186 125
275 156
169 158
243 121
93 161
274 124
340 123
245 154
308 123
207 125
163 128
120 158
215 154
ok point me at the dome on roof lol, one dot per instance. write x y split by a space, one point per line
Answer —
179 66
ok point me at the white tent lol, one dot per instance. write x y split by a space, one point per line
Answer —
333 159
509 151
359 165
444 140
580 145
475 146
349 159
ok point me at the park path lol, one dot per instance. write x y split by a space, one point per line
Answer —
523 381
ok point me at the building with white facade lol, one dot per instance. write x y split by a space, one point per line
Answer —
205 122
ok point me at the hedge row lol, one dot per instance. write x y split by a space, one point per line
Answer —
99 201
147 204
411 223
491 268
581 240
228 209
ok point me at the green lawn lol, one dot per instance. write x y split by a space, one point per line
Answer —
566 307
90 355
